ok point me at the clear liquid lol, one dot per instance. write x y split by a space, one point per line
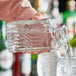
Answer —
64 67
67 66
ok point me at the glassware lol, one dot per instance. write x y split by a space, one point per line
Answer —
42 37
48 39
31 36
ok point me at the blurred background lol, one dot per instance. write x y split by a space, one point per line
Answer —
64 11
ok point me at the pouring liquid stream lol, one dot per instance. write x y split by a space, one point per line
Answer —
67 59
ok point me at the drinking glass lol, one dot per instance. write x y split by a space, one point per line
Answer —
42 37
70 71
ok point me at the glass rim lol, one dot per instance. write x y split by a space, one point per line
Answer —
27 21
